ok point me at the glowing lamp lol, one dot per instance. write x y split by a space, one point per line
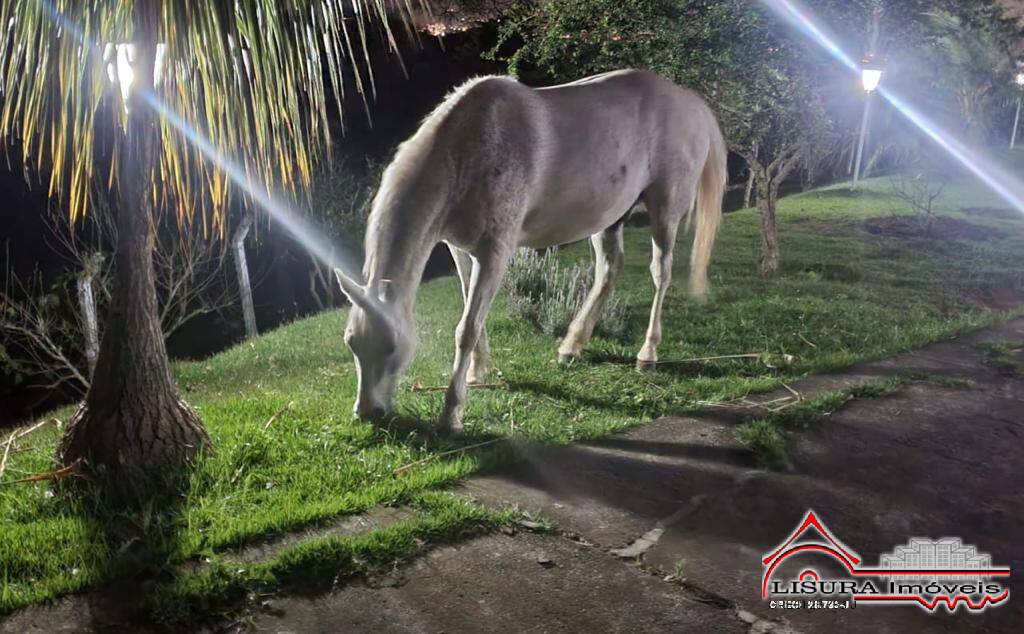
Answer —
870 77
870 73
1019 79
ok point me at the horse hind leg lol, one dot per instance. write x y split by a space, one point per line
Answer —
666 211
480 359
607 266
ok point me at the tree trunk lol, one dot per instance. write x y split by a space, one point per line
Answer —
747 195
750 181
767 197
314 293
134 433
242 271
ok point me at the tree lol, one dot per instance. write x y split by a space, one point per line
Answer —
55 331
775 91
771 105
200 81
758 79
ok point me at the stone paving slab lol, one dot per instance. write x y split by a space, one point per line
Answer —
502 583
929 461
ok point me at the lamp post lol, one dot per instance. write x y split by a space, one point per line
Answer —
870 77
1016 119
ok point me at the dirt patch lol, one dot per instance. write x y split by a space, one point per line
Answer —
936 228
1000 213
1002 298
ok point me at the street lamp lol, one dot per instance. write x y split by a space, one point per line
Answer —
870 77
1016 119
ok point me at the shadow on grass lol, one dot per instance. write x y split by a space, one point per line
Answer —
721 368
626 407
141 543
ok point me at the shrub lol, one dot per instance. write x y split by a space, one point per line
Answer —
548 294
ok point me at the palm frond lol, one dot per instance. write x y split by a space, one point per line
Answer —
258 79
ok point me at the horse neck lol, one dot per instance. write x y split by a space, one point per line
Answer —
396 255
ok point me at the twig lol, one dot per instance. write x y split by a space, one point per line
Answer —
19 434
752 355
57 474
801 335
776 410
442 388
276 414
795 394
7 451
400 470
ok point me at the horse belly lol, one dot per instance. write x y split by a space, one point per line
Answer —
576 211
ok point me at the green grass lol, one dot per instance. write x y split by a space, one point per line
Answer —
766 436
844 295
1004 356
223 583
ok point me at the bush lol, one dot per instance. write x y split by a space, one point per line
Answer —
548 294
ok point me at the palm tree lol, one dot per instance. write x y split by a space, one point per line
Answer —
254 79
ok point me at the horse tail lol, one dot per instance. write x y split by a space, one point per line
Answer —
708 209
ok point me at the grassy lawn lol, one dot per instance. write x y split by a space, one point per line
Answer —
289 455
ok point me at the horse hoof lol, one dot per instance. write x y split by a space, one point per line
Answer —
451 430
450 423
646 366
567 359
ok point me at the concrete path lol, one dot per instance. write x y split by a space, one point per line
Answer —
682 500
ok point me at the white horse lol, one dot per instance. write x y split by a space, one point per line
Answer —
499 165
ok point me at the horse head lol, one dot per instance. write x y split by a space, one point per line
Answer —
380 343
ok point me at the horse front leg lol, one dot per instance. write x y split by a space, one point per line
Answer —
485 279
607 266
480 359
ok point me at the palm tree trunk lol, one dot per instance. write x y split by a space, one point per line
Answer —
134 433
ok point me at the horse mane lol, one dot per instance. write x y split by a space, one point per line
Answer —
411 154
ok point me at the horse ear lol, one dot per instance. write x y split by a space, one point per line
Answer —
357 294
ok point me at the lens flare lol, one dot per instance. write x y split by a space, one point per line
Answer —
300 229
996 178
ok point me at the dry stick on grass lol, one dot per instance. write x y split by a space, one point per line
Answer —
400 470
278 413
7 452
801 335
751 355
15 435
26 432
63 472
793 400
442 388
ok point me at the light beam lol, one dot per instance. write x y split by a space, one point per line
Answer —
301 230
995 177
